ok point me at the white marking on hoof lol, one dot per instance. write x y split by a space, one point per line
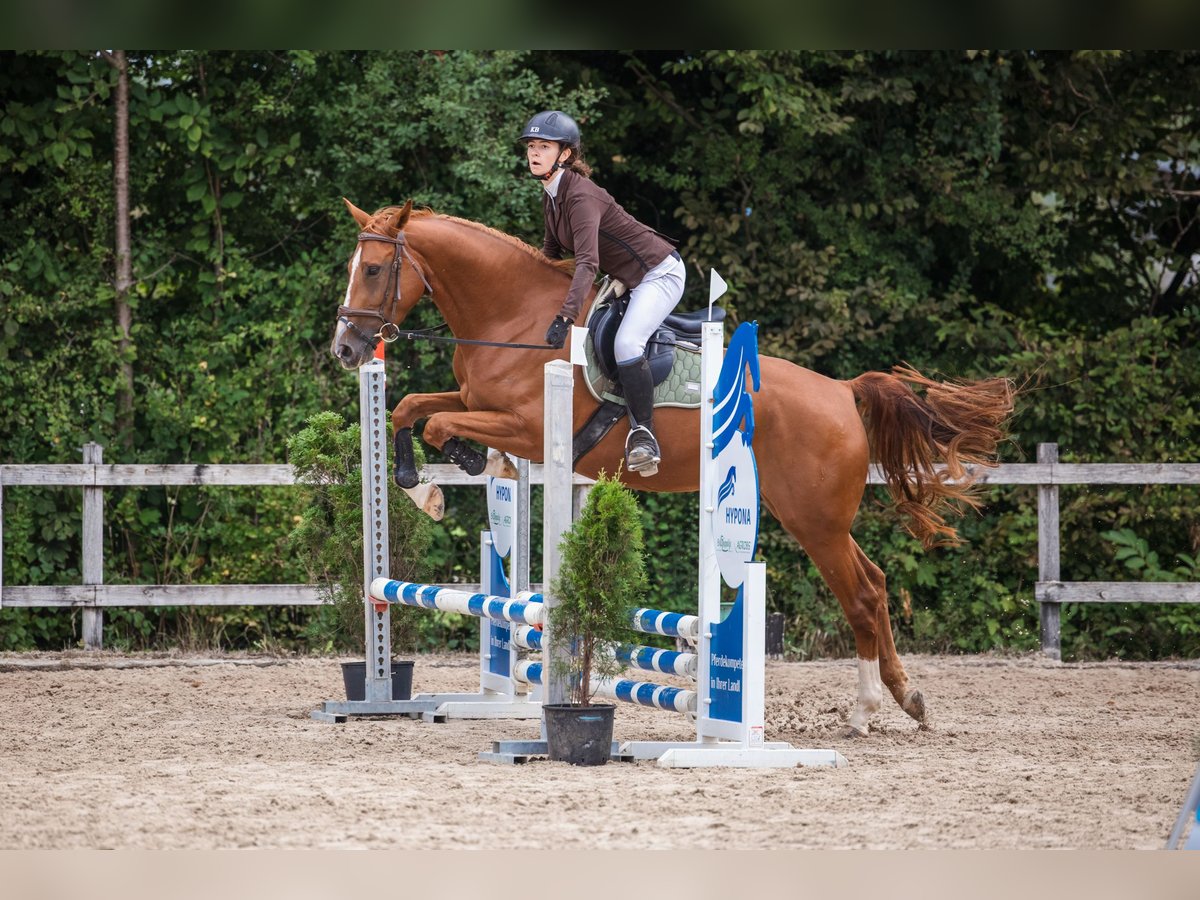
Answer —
870 695
428 497
500 466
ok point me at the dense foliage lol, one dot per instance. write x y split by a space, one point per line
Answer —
972 213
328 537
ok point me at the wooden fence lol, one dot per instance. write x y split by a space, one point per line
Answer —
93 476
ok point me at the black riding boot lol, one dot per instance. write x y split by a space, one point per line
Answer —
641 449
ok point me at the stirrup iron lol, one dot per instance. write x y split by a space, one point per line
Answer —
644 456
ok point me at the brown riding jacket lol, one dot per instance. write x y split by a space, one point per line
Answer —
584 220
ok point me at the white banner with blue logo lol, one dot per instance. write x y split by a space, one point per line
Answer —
502 505
735 512
734 516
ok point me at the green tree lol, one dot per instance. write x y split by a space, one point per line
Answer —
1024 213
601 580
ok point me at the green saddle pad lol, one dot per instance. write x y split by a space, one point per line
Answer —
680 388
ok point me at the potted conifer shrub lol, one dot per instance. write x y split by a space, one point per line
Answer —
326 456
602 578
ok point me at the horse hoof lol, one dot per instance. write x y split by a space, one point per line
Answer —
500 466
853 731
435 505
914 705
429 498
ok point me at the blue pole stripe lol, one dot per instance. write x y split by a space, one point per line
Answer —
667 697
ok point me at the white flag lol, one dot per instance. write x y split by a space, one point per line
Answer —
716 287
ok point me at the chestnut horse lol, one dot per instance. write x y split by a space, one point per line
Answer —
815 435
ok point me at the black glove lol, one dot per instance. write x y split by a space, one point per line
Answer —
556 334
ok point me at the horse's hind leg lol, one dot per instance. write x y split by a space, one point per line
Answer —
813 475
861 588
911 700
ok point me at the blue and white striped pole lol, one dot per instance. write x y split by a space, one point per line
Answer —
659 696
668 624
526 607
652 659
644 693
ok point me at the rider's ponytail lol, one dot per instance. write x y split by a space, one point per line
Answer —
577 163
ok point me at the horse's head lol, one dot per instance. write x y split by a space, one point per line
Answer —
385 282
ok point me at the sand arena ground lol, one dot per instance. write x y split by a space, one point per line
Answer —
139 752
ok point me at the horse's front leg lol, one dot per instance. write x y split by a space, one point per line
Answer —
450 430
471 461
427 496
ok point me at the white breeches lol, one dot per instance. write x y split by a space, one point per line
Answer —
649 303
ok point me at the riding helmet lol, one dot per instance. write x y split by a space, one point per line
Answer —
552 125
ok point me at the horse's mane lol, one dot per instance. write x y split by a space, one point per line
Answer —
567 265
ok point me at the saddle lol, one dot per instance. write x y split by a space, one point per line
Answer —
678 330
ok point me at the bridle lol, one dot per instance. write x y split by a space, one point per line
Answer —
388 330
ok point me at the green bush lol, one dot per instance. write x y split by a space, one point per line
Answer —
976 213
603 575
326 455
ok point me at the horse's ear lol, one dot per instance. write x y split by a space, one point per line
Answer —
399 218
360 217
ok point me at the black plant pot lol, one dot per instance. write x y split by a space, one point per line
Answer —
354 676
579 735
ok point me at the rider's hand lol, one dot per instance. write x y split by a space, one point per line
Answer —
556 334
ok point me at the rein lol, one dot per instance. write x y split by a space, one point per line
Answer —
424 335
388 331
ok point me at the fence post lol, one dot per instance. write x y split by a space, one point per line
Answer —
556 509
93 550
579 495
521 552
374 426
1049 555
774 637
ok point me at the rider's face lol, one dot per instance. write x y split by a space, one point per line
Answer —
541 155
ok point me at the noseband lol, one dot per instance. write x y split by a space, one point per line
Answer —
388 330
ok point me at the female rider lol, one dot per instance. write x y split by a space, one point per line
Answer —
583 219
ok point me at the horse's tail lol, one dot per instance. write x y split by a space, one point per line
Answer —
958 423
